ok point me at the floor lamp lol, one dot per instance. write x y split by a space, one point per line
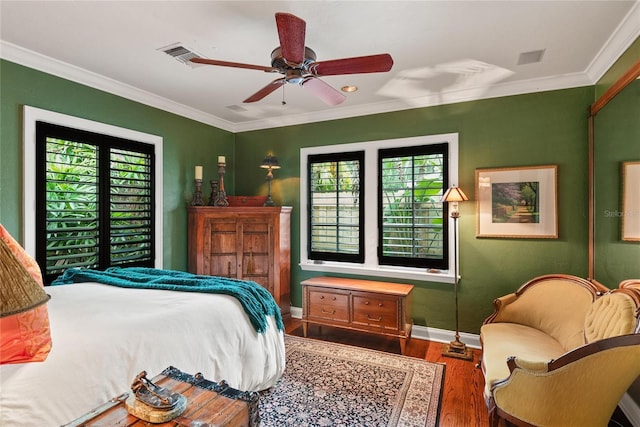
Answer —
456 348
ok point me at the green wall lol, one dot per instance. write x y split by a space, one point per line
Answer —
534 129
622 64
186 143
617 140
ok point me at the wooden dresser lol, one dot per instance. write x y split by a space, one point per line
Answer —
362 305
250 243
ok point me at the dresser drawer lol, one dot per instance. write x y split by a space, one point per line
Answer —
375 310
328 304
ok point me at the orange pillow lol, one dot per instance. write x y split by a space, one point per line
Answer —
24 337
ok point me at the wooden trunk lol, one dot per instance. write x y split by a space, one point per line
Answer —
208 404
250 243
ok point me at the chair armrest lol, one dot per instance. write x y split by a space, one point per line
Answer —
630 283
498 307
528 365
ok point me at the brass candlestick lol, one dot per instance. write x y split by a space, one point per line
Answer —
197 195
221 198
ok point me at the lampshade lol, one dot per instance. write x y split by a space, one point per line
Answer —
454 194
19 292
270 162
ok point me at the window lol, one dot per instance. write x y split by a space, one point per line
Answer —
97 195
93 200
402 227
411 214
335 208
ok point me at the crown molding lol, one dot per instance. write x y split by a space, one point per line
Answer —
46 64
450 97
627 32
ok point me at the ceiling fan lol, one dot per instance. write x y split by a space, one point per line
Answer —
298 64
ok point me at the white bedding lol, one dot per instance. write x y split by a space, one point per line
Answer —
103 336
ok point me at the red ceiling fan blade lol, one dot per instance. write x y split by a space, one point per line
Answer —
358 65
265 91
232 64
291 31
323 91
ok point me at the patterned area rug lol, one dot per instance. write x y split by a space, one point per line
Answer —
327 384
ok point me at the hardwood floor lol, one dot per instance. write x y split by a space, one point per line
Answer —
462 401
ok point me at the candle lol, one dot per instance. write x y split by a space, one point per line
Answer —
198 172
221 159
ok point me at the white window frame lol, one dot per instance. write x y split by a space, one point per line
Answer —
31 116
371 266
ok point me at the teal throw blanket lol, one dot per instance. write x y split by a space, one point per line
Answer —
257 302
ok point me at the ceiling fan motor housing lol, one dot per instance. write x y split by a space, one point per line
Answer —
297 63
294 73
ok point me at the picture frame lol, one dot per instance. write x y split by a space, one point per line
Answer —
631 201
517 202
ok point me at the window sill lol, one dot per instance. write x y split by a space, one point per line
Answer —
444 276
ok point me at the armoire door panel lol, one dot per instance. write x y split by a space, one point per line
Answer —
222 265
251 243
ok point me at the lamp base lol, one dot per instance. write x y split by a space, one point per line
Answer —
458 350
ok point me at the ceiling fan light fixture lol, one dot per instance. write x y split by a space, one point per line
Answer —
294 76
349 88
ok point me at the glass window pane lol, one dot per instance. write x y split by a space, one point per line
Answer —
334 207
411 187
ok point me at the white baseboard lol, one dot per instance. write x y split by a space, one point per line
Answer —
296 312
628 406
630 409
424 333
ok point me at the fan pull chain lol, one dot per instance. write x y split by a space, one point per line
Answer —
283 101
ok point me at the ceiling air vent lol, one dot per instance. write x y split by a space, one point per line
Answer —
531 57
237 108
181 53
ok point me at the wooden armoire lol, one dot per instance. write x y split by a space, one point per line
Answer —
249 243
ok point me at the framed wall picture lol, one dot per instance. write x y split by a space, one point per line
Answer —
517 202
631 201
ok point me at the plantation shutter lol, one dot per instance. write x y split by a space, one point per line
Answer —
413 230
96 194
336 208
131 214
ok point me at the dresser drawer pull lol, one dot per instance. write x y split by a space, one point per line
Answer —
378 319
367 303
328 312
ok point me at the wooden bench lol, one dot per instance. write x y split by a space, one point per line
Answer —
361 305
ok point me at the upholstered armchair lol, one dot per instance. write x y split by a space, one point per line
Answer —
582 386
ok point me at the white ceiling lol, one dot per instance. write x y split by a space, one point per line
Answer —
443 51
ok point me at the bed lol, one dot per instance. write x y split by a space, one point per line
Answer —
103 336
